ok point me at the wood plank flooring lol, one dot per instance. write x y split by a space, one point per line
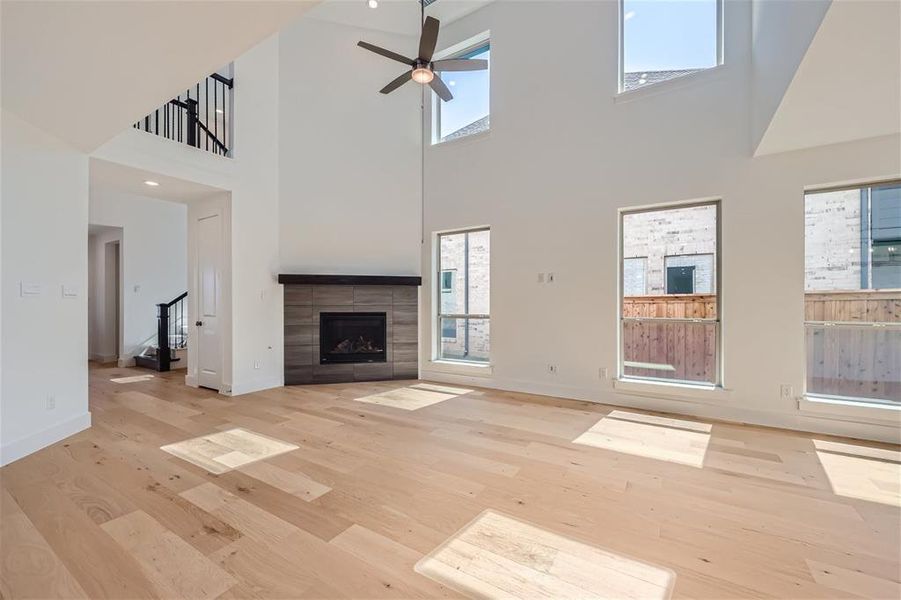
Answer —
402 490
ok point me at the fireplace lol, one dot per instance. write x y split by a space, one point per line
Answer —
352 337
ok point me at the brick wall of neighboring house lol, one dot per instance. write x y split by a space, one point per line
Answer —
453 300
832 230
672 237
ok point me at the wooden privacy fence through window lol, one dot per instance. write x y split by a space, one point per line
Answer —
853 341
854 344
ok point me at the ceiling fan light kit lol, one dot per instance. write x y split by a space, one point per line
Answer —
422 69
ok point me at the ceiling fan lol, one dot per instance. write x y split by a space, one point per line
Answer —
422 69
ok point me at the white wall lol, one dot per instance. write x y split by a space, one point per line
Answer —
153 254
564 155
350 160
251 178
44 337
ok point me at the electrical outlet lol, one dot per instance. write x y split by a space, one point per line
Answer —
552 369
551 278
256 364
786 391
51 402
603 373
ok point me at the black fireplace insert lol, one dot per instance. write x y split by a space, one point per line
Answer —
352 337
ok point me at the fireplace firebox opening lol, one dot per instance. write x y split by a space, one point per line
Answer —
352 337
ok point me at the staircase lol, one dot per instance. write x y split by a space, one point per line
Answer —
171 340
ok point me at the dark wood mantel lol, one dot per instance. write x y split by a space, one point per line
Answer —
296 279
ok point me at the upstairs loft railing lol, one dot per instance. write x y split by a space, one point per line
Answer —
199 117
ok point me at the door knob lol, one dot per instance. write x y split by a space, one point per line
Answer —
199 323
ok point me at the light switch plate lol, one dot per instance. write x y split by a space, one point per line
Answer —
29 289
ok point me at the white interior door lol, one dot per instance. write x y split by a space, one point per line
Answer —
209 301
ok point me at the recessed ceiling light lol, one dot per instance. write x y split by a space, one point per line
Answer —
151 183
373 3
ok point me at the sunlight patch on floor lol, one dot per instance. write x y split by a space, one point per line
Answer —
861 472
497 556
661 438
132 379
415 396
226 450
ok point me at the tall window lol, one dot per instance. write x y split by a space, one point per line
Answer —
464 287
666 39
852 281
670 320
469 110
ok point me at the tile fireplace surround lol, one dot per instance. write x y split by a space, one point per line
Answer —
306 296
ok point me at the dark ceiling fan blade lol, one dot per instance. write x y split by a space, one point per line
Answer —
397 83
387 53
429 38
460 64
441 89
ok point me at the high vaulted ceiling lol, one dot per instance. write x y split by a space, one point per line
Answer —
393 16
848 85
84 71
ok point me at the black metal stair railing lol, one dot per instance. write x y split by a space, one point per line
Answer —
172 330
199 117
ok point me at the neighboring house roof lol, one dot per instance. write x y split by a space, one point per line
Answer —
474 127
643 78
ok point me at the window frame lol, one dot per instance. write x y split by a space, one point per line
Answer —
853 402
464 49
437 312
717 291
720 60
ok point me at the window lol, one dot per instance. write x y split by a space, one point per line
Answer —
635 276
447 281
463 312
689 274
852 281
468 112
666 39
670 325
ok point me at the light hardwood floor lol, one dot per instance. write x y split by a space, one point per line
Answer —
402 490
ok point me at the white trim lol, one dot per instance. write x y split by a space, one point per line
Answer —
844 410
124 363
250 387
704 394
452 367
24 446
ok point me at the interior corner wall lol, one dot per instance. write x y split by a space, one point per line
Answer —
44 395
350 157
153 256
565 155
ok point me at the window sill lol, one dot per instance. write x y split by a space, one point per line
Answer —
472 137
663 87
685 392
849 410
461 368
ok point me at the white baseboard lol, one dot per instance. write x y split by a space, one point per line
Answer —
255 386
126 362
24 446
700 407
102 358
